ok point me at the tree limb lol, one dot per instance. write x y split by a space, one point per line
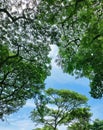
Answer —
14 19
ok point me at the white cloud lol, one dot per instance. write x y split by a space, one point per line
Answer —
58 75
53 54
62 127
30 103
25 124
54 51
7 128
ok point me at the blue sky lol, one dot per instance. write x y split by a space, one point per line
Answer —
59 80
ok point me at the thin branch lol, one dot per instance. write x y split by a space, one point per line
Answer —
14 19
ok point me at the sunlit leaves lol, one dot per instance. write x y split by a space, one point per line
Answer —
80 45
56 107
24 49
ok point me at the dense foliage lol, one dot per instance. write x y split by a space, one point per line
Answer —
81 119
97 125
80 24
24 49
57 107
27 30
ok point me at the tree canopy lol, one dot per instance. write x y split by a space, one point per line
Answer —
27 30
97 125
82 118
80 24
24 49
56 107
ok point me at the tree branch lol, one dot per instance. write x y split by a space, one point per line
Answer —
14 19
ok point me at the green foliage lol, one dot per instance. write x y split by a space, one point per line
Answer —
81 119
45 128
28 29
83 124
97 125
20 79
79 126
80 24
82 49
24 49
56 107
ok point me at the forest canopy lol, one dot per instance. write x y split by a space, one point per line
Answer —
28 28
80 24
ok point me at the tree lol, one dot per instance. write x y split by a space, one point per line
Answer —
81 119
80 46
44 128
27 30
19 80
54 108
97 125
24 49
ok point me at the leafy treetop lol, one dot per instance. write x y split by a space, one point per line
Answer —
56 107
